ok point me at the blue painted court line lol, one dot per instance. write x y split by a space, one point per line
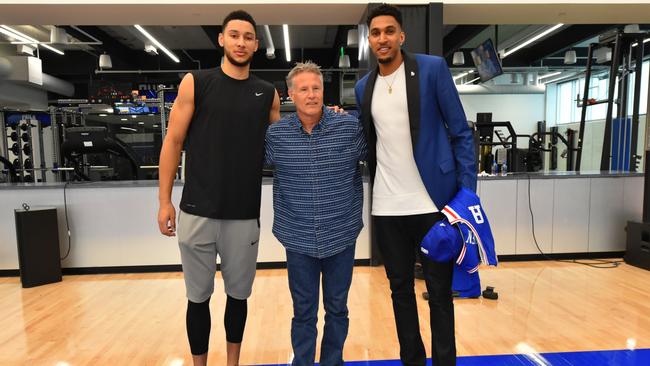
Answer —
640 357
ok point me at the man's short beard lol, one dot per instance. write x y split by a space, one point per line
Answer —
385 60
238 63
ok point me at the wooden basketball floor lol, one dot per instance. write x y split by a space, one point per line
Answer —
139 319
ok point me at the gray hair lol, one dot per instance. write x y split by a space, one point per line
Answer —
301 67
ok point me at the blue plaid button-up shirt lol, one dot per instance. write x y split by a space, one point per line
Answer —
317 190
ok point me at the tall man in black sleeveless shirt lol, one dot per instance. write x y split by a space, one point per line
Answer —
223 114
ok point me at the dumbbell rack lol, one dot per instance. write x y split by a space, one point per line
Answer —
22 144
3 143
19 149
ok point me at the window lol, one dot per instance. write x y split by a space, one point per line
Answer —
567 106
643 105
565 103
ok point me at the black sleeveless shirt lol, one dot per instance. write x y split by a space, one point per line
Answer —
225 146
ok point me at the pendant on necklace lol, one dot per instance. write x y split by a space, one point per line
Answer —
390 90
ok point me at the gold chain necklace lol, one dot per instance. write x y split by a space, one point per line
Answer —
390 85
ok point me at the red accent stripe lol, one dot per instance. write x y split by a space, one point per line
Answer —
461 256
482 253
451 213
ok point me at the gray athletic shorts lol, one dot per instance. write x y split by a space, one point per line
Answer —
236 242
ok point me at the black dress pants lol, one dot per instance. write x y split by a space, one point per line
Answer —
398 238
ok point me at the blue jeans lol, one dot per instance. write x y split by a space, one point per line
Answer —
304 277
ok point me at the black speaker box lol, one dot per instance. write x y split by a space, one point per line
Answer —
637 251
37 234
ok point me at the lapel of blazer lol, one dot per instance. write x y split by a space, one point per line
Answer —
411 73
368 123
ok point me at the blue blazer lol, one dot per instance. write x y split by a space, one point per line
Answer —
443 145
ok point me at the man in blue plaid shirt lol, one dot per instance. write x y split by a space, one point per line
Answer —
317 201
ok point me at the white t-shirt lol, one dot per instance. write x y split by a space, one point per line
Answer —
398 189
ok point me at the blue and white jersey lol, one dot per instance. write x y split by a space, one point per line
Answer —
442 243
467 285
465 210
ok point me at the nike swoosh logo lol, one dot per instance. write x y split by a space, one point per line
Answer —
258 94
255 242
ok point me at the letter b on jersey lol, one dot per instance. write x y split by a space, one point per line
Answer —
476 212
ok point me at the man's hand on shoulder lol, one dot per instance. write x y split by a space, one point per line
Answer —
337 109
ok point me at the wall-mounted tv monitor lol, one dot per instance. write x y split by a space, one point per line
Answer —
486 61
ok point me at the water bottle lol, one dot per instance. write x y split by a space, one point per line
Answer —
504 168
495 167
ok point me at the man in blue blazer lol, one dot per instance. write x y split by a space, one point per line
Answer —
420 153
